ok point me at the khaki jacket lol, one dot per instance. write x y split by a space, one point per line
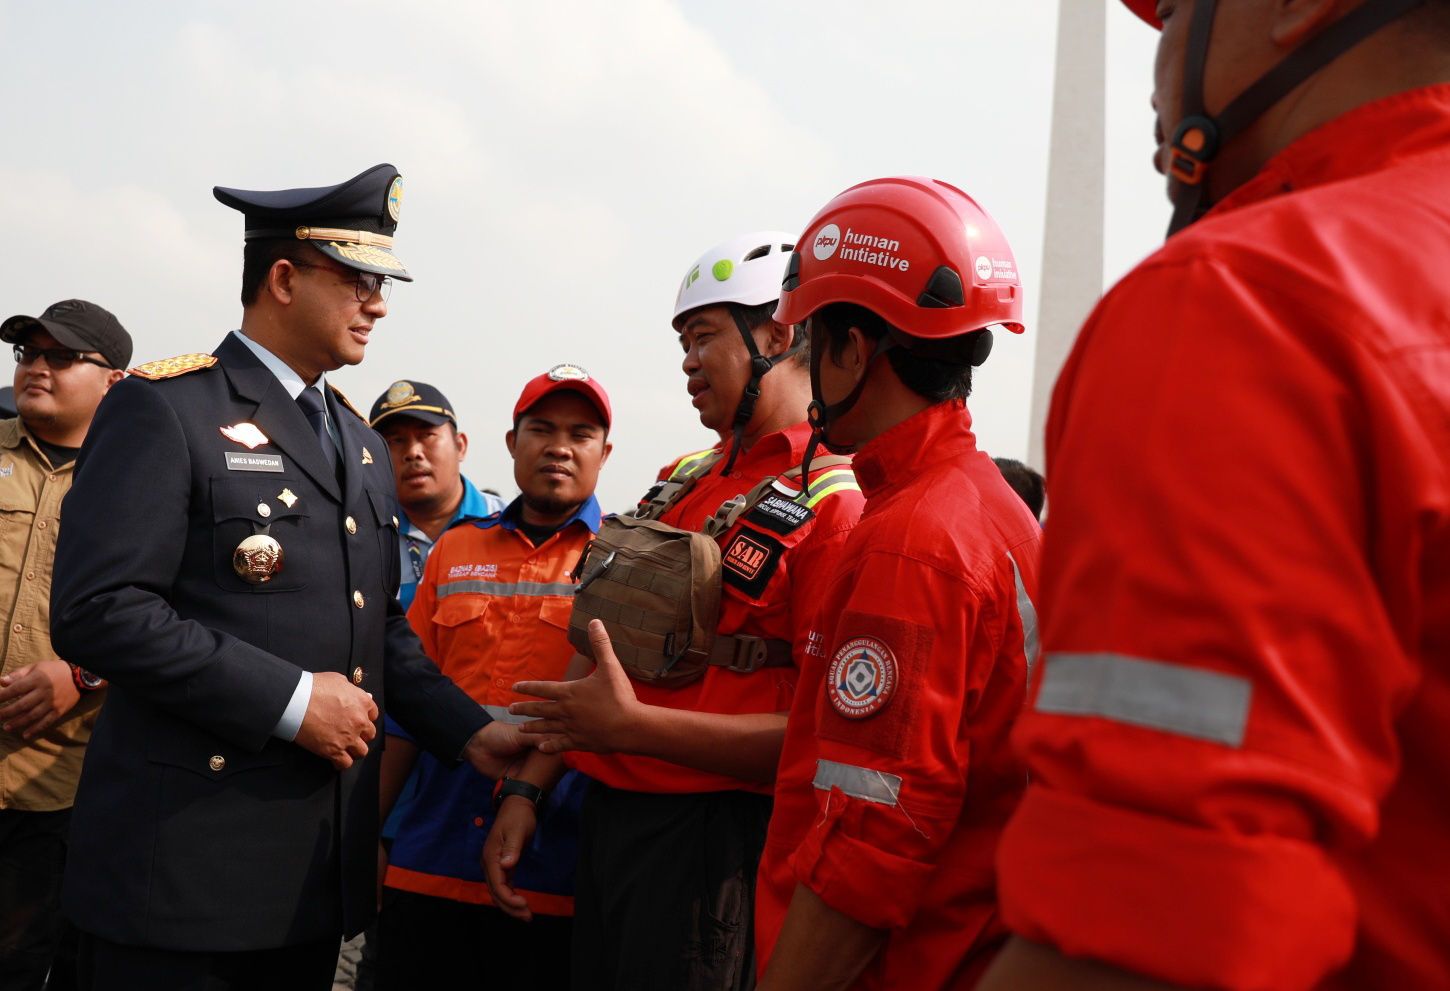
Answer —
38 775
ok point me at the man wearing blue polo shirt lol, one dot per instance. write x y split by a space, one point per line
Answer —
427 449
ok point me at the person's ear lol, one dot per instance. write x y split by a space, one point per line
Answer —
281 280
778 338
462 439
112 377
608 449
509 440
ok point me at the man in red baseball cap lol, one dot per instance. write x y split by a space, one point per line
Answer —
493 609
1236 746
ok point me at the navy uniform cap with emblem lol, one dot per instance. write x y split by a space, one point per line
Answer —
352 223
417 400
218 561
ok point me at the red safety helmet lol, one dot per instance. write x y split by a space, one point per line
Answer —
921 254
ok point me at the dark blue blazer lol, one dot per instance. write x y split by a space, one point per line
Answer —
194 828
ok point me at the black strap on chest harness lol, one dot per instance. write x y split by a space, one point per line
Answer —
1199 137
759 366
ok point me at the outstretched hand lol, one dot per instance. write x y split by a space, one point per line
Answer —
598 713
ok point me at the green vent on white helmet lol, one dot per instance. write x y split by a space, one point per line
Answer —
746 270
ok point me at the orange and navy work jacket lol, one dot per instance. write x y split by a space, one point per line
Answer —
897 773
492 609
1238 746
776 560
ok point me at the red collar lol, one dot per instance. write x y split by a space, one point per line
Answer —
1412 124
936 434
767 454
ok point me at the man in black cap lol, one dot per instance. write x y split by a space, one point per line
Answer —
229 562
65 361
427 450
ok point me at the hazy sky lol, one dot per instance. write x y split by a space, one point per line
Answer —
564 164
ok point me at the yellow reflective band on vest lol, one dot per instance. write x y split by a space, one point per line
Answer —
830 482
688 462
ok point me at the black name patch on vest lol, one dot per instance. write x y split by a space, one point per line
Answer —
749 561
779 514
251 461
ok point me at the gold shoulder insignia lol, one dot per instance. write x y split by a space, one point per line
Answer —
168 368
346 402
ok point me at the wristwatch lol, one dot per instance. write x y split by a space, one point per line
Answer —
513 786
84 680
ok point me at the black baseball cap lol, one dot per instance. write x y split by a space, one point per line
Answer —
75 323
418 400
352 222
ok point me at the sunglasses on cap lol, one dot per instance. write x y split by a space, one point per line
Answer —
56 358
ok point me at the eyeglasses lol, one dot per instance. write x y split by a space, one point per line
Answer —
56 358
366 284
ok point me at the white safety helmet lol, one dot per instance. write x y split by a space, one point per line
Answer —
746 270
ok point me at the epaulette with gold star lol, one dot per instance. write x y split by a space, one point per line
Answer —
169 368
346 402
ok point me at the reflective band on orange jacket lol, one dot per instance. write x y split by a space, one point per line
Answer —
773 591
1239 747
896 776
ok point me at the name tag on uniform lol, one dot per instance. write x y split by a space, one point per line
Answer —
252 461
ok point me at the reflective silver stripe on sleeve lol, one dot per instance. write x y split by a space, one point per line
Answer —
858 782
1028 614
502 714
1205 705
506 588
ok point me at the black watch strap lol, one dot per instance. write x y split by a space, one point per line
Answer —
513 786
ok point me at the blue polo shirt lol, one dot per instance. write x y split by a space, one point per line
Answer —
414 545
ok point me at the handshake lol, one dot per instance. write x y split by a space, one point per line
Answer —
341 719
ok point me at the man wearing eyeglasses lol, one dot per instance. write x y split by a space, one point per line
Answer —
229 563
66 360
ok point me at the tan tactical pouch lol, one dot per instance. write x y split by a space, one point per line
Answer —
657 589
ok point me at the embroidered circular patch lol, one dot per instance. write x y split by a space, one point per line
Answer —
862 678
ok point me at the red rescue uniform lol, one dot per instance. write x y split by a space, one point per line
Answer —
774 570
1238 744
896 776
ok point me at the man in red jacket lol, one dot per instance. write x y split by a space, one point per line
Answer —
1237 745
896 775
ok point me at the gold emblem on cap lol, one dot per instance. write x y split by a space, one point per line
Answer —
367 457
257 559
568 372
364 255
287 498
399 392
395 198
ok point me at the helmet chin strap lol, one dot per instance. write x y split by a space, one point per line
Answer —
759 365
820 415
1199 137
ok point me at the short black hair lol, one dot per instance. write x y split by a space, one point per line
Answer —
1027 483
754 316
932 378
260 255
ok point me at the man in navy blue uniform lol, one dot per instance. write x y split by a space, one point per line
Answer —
229 562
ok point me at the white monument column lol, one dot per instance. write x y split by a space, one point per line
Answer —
1072 252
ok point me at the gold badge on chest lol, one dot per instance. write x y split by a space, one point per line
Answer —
257 559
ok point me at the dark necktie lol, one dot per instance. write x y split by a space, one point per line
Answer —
311 402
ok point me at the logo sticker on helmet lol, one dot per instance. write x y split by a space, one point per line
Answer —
827 240
984 267
862 678
722 269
